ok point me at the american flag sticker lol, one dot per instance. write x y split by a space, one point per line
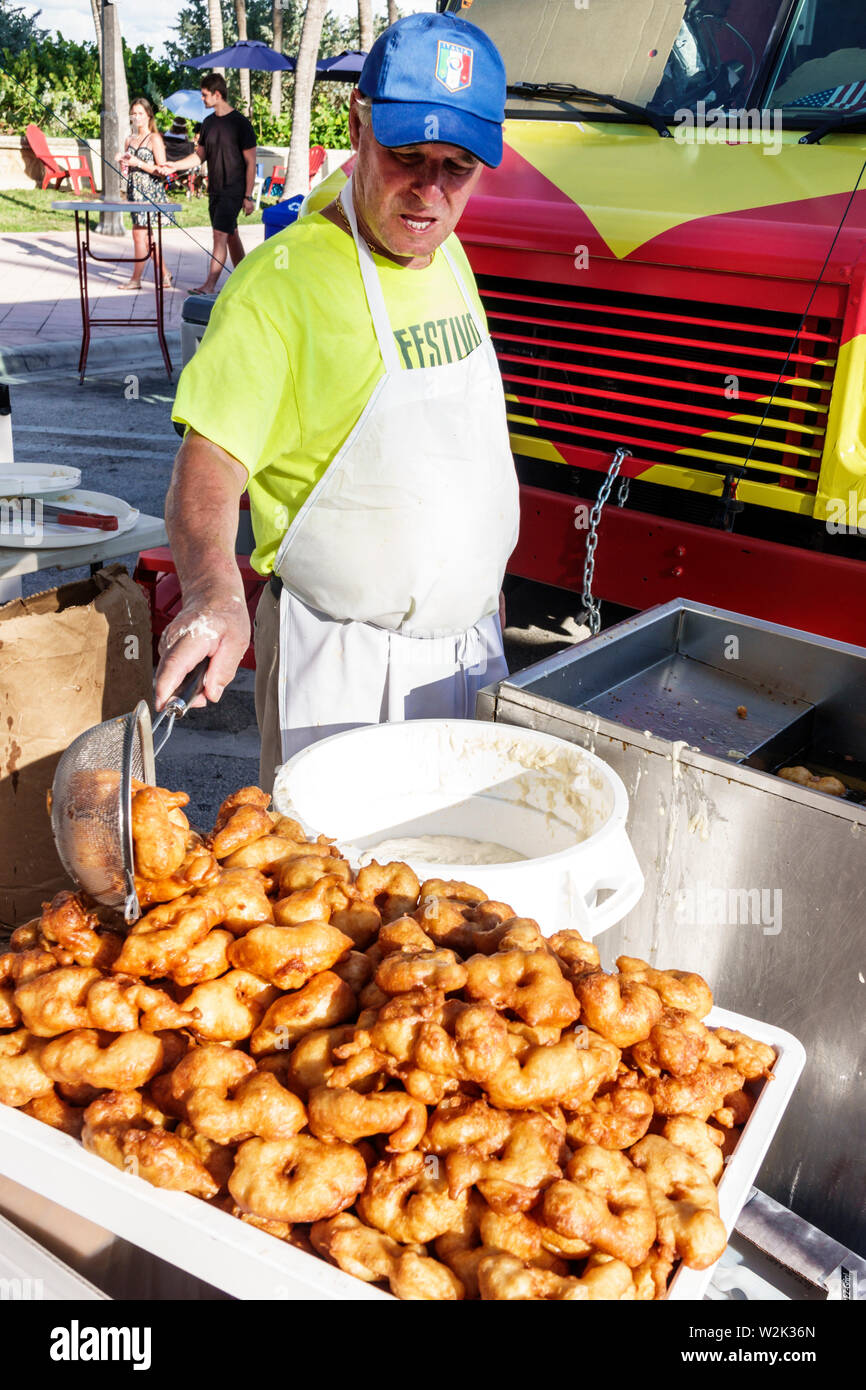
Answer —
845 98
454 66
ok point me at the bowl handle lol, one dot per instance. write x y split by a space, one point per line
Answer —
615 867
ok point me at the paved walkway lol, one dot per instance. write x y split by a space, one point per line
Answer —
39 298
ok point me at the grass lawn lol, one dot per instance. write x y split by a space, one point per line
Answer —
29 210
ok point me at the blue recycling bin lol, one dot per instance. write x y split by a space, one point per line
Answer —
281 215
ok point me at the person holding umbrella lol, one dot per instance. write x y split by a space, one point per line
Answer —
347 379
227 144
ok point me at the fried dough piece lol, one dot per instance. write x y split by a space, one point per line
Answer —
19 967
516 1233
745 1054
341 1113
651 1276
699 1095
157 940
312 1059
290 956
685 1201
22 1076
230 1008
266 854
677 989
54 1002
528 982
207 960
158 843
299 1179
466 1122
329 894
568 1073
605 1201
121 1003
372 1256
323 1002
575 955
70 923
404 1200
617 1007
210 1067
530 1161
677 1044
245 825
615 1118
257 1106
116 1130
304 871
198 869
402 971
245 796
804 778
700 1140
85 1057
736 1110
360 921
355 970
504 1278
392 888
53 1110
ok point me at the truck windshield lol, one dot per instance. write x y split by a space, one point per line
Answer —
666 54
822 65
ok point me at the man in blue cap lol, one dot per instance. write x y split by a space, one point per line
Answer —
347 379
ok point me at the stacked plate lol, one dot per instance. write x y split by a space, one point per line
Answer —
24 487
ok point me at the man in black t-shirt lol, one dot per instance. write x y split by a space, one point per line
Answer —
227 143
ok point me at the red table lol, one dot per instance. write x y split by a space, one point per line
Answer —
154 211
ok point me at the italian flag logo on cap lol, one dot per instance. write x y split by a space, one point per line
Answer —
454 66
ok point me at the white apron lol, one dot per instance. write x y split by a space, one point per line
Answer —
393 566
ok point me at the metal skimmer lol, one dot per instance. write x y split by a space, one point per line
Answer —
91 797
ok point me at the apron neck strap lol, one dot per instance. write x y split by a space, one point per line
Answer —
373 287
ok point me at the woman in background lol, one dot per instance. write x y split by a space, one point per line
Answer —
144 147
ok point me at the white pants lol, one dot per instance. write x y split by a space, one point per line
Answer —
340 675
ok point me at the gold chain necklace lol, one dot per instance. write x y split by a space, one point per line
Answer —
374 251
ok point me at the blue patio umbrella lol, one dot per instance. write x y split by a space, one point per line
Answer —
188 104
246 53
347 64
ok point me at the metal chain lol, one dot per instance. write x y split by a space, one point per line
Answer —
591 605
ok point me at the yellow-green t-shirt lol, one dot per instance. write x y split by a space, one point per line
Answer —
289 359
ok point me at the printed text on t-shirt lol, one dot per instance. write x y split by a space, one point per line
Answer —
438 341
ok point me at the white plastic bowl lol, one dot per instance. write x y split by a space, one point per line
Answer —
552 801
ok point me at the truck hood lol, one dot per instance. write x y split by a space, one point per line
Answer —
759 204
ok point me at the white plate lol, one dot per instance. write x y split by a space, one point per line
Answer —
36 479
235 1257
29 533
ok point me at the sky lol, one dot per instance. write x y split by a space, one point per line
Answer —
153 23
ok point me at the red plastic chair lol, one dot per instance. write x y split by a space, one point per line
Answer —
274 186
59 166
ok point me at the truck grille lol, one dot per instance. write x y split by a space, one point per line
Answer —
679 382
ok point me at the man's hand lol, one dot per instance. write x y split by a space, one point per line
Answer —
212 624
248 206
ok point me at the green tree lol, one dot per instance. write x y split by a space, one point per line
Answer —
17 29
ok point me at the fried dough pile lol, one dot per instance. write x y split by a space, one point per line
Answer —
403 1078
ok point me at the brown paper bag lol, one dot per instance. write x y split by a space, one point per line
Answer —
69 658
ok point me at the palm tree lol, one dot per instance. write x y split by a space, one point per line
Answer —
277 77
215 21
244 73
298 170
365 25
392 11
96 8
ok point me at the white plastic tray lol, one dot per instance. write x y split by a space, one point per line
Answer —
29 1271
237 1258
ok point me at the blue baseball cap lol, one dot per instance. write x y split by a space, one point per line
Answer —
435 78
